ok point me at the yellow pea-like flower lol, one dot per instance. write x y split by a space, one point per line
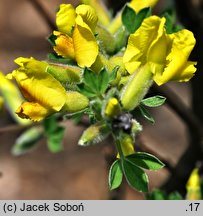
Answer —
45 95
166 54
75 38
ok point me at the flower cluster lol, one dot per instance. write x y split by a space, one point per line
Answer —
103 67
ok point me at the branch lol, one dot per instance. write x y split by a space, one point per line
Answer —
176 104
40 9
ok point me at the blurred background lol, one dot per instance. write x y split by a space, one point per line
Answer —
82 173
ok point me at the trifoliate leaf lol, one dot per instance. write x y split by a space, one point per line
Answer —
135 176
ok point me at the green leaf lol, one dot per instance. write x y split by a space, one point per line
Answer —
170 25
94 84
144 13
128 16
27 140
131 20
55 140
103 80
85 90
175 196
135 176
54 134
154 101
156 194
145 160
115 175
146 114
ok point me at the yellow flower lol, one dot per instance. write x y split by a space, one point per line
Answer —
75 38
193 186
166 54
45 94
12 98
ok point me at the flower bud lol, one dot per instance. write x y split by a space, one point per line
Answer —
64 74
136 88
112 108
75 102
94 134
127 145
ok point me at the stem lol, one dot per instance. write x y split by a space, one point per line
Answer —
118 145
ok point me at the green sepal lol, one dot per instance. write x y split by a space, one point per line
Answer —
115 175
51 39
58 59
27 140
154 101
145 160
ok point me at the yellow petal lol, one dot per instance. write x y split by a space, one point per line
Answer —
102 12
39 86
85 45
138 5
88 15
65 18
177 66
141 41
12 97
33 111
64 45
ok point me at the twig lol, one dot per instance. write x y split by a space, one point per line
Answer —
175 103
13 127
37 5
